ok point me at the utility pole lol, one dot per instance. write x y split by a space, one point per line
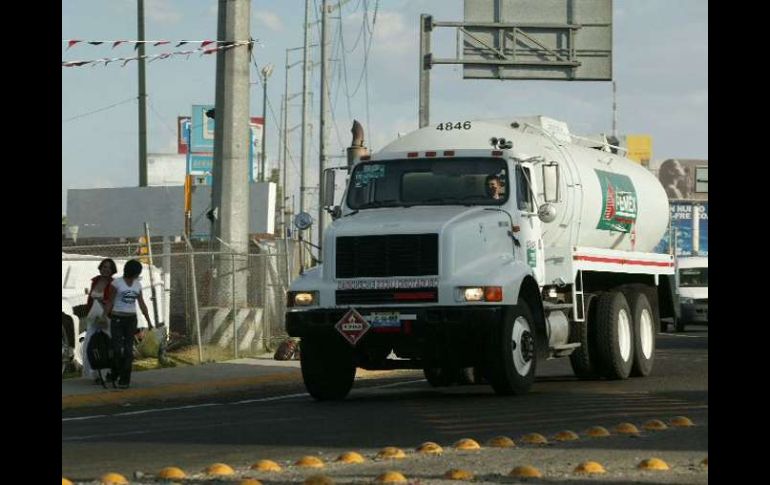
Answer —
267 70
142 98
614 112
324 115
286 98
306 67
230 191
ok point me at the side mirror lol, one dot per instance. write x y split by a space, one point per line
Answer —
336 212
551 182
547 212
327 197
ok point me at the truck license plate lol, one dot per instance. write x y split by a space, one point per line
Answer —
384 319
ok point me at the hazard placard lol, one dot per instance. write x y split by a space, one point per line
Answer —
352 326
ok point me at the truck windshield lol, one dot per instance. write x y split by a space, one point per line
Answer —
454 181
693 277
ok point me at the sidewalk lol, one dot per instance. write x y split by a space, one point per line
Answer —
176 382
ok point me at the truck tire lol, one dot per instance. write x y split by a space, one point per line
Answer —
614 336
580 359
644 334
512 354
327 368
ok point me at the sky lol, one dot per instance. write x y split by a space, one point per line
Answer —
660 65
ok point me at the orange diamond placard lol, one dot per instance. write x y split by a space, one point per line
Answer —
352 326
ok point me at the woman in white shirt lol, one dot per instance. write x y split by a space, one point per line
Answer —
121 310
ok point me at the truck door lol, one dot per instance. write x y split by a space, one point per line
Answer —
530 234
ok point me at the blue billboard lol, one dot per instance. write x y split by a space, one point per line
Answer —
681 222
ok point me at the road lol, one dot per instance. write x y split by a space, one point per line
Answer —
283 423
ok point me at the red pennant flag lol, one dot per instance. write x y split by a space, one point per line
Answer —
117 43
209 51
71 43
206 42
162 42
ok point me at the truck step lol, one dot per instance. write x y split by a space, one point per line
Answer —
564 350
549 306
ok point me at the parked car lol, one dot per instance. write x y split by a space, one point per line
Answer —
693 288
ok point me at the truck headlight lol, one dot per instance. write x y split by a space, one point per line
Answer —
302 298
481 293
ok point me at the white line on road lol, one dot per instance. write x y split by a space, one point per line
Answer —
194 406
684 336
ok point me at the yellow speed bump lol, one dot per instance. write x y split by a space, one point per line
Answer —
526 471
266 466
626 428
653 464
113 479
430 448
310 462
655 425
566 435
590 467
681 422
501 442
391 477
467 444
64 481
171 472
534 439
705 461
391 453
249 481
597 432
220 469
458 474
350 457
319 480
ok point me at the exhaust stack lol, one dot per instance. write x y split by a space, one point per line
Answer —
357 148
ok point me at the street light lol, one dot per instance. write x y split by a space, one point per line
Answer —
267 70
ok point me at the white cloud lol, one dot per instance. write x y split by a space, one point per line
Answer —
269 19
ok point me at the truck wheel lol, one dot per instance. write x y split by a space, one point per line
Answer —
327 368
644 334
512 355
580 359
614 336
438 376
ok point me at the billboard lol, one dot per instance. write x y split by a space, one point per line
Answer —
683 178
682 223
639 148
202 129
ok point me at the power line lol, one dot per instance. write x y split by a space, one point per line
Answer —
134 98
163 121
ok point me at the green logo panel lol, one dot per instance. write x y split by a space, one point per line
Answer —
619 202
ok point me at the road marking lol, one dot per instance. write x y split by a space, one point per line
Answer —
683 336
194 406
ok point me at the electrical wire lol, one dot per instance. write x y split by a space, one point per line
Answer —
99 110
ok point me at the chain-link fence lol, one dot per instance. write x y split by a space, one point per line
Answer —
218 305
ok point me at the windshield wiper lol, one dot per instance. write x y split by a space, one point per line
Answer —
450 200
378 203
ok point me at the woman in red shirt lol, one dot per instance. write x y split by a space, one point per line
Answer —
100 294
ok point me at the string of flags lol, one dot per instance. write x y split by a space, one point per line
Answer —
204 49
136 43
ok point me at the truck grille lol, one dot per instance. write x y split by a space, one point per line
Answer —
390 255
411 295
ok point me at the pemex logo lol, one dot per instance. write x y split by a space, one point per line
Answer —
619 202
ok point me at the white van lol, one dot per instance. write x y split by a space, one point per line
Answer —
693 289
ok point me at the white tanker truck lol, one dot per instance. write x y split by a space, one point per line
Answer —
427 266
